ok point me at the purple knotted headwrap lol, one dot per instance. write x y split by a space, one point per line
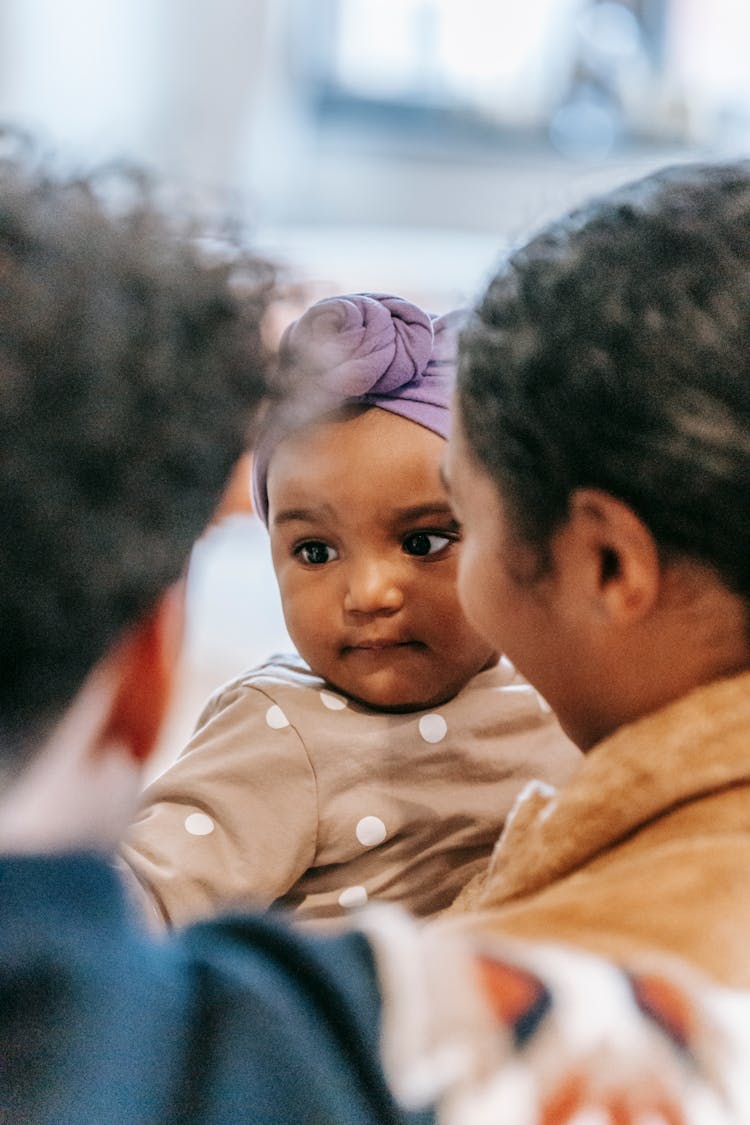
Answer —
373 349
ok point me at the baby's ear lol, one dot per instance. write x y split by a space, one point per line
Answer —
144 667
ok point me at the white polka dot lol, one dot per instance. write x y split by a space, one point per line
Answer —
352 897
371 831
433 728
332 702
198 824
276 718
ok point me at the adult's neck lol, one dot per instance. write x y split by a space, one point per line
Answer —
699 634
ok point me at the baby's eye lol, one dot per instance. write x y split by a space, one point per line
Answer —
426 543
315 553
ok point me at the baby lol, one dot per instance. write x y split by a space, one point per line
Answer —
380 762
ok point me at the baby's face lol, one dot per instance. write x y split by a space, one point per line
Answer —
365 550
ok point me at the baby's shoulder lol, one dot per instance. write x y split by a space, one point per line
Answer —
282 696
282 671
281 674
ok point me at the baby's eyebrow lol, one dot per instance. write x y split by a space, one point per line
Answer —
297 515
436 508
440 509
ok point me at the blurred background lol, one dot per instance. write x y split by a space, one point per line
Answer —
397 145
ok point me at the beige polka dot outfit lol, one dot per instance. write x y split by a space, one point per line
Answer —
291 793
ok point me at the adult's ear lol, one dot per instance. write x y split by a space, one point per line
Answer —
143 665
616 555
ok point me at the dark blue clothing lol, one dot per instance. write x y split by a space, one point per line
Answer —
237 1020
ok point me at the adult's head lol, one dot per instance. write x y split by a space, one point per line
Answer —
602 464
129 370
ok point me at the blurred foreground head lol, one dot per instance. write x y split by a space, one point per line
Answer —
130 370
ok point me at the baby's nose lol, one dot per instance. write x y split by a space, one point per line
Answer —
373 587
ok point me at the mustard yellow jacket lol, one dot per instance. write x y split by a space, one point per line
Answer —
645 850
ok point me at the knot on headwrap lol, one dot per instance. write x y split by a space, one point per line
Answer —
363 343
374 349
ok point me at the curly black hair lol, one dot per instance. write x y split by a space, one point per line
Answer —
130 369
613 351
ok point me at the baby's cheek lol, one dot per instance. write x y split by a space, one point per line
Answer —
444 606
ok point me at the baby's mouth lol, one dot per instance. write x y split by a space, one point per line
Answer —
381 644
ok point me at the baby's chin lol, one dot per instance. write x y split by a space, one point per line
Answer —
402 707
394 699
407 677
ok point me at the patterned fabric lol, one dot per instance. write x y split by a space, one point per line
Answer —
523 1034
291 793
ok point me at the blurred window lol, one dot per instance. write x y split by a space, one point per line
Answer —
584 75
505 59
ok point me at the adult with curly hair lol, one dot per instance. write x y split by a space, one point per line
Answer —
130 371
601 470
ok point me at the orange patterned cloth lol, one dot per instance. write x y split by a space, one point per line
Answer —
515 1033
